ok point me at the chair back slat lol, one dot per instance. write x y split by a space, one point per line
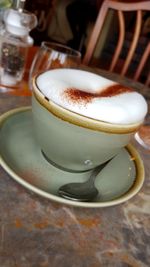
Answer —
120 40
128 6
134 42
95 34
147 83
142 62
120 7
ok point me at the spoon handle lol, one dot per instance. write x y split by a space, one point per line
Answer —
97 170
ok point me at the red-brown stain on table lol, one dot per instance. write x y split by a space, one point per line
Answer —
89 222
45 223
41 225
18 223
60 223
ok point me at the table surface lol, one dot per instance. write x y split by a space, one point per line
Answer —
37 232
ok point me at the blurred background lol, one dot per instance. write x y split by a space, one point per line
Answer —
71 21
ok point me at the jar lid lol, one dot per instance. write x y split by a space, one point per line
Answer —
19 23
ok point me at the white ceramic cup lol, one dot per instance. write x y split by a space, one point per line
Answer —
72 141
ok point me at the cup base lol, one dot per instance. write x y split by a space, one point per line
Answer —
61 167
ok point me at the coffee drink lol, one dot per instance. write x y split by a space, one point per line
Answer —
92 96
82 119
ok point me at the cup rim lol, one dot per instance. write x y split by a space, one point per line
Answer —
81 120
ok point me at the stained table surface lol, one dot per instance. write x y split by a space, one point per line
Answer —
37 232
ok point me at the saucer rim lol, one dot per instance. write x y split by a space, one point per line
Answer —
134 189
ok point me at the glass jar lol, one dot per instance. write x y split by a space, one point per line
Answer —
14 44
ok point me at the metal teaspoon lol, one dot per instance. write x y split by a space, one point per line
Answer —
85 191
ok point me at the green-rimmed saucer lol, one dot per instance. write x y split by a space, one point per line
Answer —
21 157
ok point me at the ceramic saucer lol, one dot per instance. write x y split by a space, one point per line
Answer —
22 159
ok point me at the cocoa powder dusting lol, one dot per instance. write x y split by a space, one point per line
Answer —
77 96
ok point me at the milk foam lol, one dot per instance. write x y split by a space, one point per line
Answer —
124 108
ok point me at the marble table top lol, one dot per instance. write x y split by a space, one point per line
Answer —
37 232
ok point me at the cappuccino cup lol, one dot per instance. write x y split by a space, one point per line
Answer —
82 119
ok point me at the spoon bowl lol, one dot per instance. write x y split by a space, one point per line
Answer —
85 191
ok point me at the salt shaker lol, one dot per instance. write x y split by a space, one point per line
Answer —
14 43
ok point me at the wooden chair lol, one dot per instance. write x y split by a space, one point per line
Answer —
120 8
